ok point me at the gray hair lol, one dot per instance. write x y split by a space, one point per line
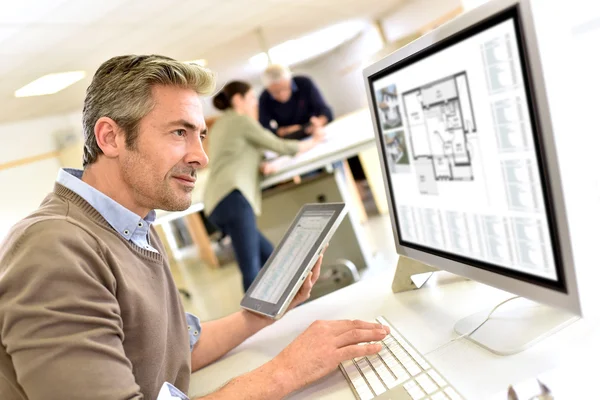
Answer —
122 90
275 73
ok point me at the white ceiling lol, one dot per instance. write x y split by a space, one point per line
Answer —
38 37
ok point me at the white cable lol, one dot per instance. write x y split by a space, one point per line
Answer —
474 330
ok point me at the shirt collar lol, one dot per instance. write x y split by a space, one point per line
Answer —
123 220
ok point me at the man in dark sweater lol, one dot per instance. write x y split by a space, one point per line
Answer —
88 306
291 107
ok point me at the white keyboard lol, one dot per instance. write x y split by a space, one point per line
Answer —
398 372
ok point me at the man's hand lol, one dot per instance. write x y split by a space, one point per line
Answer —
304 292
324 345
314 354
319 121
318 134
316 123
286 130
302 295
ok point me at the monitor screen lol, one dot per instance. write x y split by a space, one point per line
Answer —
463 153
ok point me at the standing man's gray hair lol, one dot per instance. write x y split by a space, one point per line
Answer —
275 73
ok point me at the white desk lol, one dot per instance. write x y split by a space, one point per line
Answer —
426 318
345 137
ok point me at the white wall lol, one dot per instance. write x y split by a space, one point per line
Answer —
339 73
416 14
25 186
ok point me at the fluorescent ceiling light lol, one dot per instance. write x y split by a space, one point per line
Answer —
311 45
50 84
259 61
201 62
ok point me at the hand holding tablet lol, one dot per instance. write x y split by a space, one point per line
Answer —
278 285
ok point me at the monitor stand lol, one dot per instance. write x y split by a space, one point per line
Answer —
514 326
411 274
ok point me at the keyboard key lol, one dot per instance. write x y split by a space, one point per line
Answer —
412 368
371 377
415 355
383 372
352 372
365 393
439 396
357 380
399 338
437 378
424 364
427 383
402 377
409 385
414 390
391 361
452 394
399 353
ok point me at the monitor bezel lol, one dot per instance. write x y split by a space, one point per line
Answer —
562 292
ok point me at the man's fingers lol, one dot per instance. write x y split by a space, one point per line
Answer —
316 272
316 269
304 291
358 350
356 336
343 326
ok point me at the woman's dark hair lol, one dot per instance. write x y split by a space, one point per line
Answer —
222 100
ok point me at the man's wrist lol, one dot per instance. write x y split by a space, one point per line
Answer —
255 321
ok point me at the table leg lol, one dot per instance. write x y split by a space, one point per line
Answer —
369 159
197 230
354 193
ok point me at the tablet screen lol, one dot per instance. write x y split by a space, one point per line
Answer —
290 257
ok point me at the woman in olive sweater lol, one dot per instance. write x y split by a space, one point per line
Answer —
232 196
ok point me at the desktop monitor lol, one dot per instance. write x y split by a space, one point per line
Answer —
469 161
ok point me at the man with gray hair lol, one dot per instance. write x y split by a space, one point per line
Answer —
291 107
88 306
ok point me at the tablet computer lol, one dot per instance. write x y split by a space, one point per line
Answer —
285 271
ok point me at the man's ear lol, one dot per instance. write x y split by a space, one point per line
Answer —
109 137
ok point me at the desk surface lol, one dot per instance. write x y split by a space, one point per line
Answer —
345 138
426 317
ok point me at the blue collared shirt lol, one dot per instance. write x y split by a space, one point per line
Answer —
129 225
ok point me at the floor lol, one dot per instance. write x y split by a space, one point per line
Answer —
216 293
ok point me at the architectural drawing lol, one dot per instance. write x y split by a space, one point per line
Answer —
441 124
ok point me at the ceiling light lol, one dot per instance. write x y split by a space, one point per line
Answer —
201 62
50 84
259 61
311 45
